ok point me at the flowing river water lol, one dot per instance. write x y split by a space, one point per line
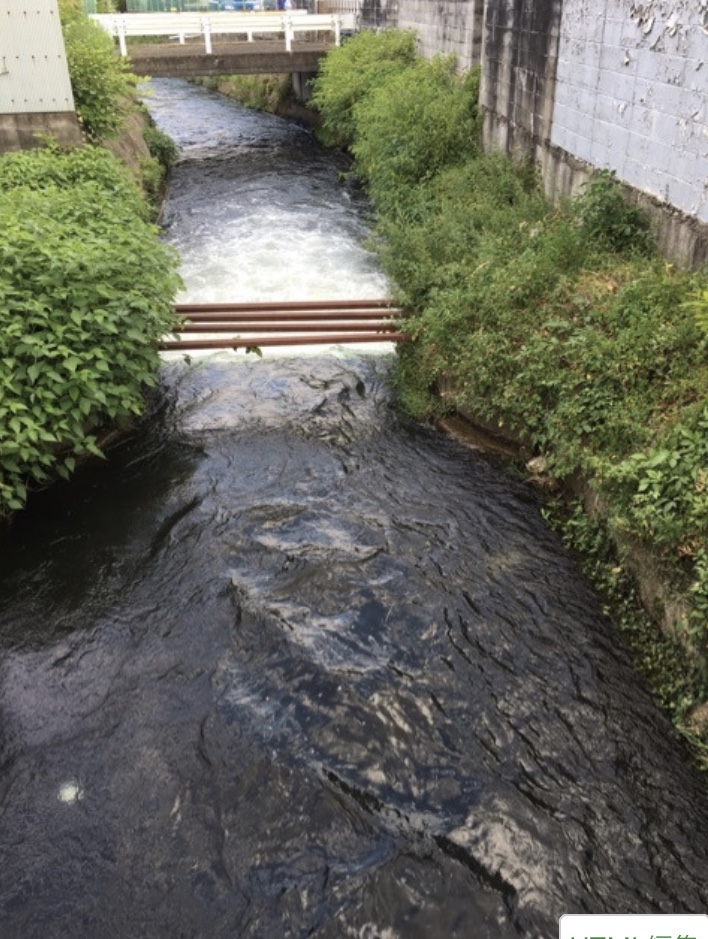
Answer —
289 665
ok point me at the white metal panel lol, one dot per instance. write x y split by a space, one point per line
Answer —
34 76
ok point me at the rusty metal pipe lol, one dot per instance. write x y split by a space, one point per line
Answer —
277 316
186 308
300 327
256 341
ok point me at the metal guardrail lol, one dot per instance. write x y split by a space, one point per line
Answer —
206 6
182 25
337 6
212 6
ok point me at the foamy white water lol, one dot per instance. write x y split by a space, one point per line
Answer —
260 212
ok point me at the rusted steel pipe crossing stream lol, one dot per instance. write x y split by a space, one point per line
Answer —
251 325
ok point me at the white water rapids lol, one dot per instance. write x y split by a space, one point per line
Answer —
273 219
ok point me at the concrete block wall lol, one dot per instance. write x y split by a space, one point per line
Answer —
379 14
444 26
518 72
581 85
454 27
631 95
24 131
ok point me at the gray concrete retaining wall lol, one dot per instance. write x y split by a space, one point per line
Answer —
580 85
445 26
19 131
451 27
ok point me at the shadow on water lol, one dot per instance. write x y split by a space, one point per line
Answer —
305 669
287 665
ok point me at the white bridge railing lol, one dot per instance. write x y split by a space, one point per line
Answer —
183 25
337 6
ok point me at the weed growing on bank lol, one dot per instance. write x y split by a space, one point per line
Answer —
258 92
673 674
85 295
349 75
102 85
560 323
154 170
86 288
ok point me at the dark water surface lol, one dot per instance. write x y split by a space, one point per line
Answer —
288 666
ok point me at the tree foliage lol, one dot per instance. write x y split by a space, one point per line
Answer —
419 122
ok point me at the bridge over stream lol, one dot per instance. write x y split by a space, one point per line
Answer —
245 43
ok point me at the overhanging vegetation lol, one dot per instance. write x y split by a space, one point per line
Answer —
86 288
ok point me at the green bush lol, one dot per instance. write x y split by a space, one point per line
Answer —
660 494
697 303
152 178
70 10
85 294
102 85
155 168
452 223
260 92
54 167
664 490
351 72
161 146
610 219
419 122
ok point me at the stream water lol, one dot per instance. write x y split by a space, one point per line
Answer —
289 665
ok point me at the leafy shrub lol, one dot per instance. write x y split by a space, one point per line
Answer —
697 303
152 177
85 294
70 10
419 122
448 225
100 81
161 146
492 223
54 167
661 493
154 169
351 72
610 219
